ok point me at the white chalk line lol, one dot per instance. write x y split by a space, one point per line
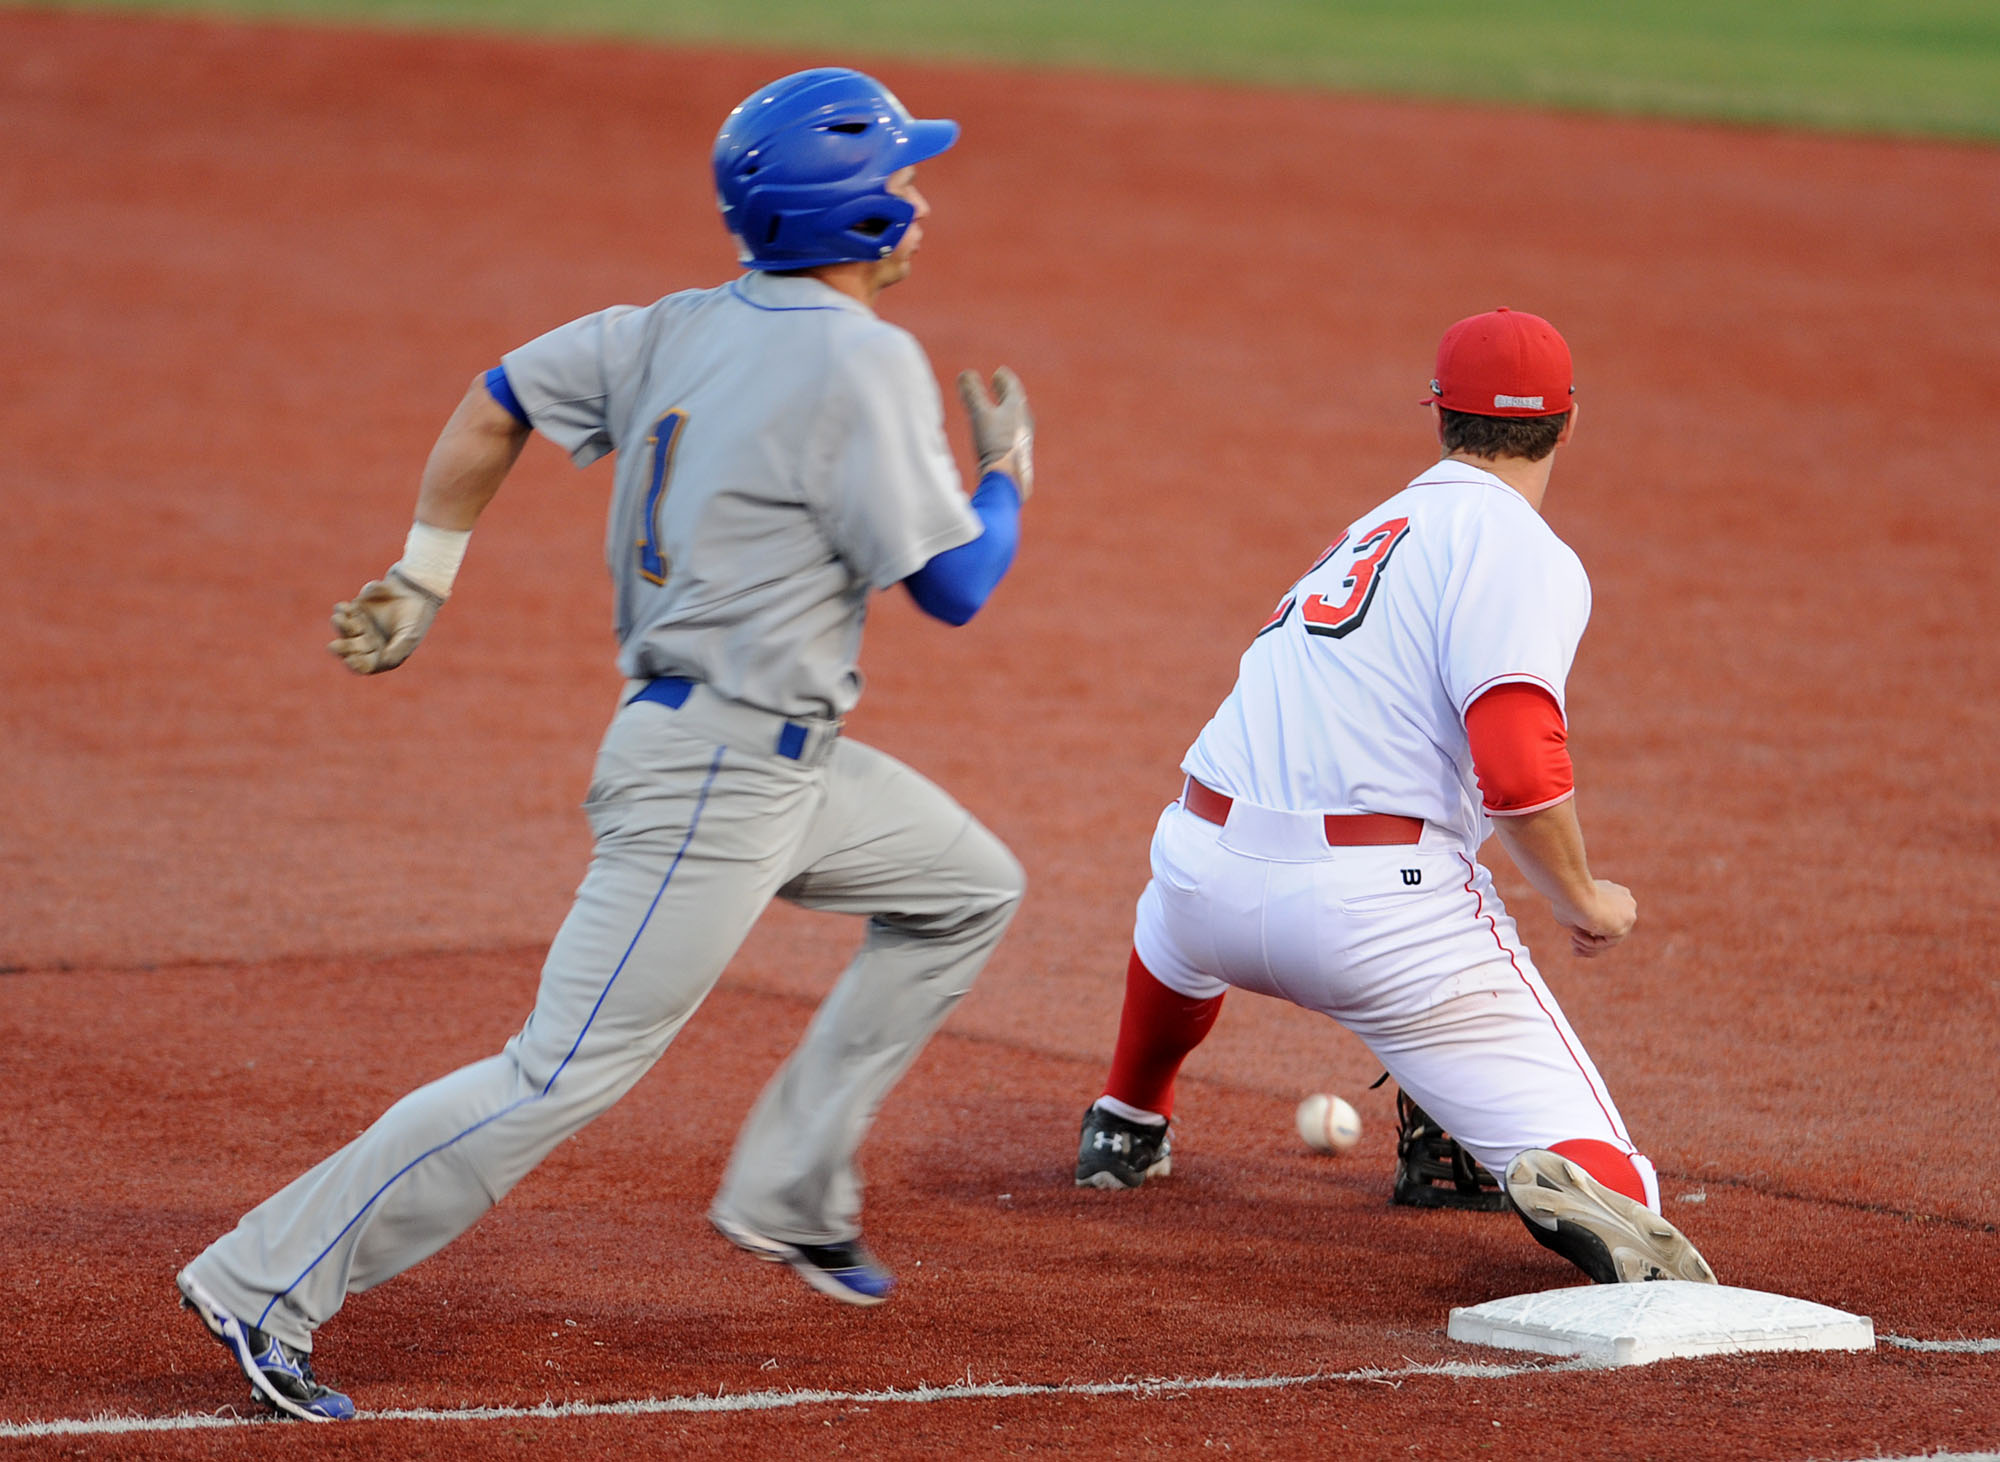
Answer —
956 1391
1987 1346
784 1400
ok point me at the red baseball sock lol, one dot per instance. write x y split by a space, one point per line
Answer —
1605 1163
1155 1033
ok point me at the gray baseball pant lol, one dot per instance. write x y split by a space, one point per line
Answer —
699 823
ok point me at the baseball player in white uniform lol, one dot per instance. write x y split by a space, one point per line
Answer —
1404 700
780 456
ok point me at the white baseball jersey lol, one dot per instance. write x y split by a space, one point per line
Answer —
1353 697
781 452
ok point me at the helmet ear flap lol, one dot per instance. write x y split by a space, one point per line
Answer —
881 219
772 228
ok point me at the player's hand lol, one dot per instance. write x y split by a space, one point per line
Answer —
380 627
1003 431
1607 921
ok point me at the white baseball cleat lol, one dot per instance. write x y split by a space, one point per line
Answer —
1605 1234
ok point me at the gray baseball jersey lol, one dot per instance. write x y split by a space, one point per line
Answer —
781 453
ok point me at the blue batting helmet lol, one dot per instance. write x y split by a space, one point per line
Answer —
802 169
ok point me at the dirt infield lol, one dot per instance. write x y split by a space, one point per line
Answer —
245 899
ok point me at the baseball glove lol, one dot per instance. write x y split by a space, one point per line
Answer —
1432 1171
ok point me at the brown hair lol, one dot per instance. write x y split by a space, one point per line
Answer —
1529 437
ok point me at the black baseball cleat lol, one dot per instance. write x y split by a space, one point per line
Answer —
1115 1153
1602 1232
846 1271
281 1376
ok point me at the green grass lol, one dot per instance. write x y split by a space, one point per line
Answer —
1897 66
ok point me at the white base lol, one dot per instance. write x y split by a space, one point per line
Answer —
1636 1324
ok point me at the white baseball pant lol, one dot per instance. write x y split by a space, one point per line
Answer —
1407 947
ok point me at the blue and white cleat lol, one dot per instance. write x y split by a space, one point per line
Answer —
281 1377
846 1271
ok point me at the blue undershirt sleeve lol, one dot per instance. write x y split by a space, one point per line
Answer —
502 391
954 585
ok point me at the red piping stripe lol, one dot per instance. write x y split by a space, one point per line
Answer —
1479 912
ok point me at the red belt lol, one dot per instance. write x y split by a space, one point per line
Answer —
1343 829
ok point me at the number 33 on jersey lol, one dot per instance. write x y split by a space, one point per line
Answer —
1365 562
1364 671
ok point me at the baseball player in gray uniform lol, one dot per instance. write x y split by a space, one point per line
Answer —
780 455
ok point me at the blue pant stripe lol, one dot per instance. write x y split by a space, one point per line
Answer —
637 934
693 822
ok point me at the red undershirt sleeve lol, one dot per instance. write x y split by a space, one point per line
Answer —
1520 749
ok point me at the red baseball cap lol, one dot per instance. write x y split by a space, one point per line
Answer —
1503 363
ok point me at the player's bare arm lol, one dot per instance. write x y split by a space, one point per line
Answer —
1547 846
473 455
381 627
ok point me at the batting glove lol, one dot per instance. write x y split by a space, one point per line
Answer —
1003 431
381 626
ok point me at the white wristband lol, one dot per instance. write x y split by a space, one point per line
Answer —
431 557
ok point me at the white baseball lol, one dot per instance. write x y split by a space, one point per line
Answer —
1328 1123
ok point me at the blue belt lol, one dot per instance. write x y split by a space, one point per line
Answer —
673 690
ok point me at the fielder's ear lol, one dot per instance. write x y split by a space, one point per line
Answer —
1569 427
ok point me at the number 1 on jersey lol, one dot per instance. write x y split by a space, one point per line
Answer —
653 565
